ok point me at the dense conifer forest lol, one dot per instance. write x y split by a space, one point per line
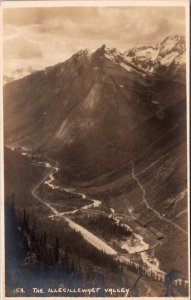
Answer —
56 254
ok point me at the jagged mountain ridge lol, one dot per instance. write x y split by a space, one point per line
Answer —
96 113
164 59
99 100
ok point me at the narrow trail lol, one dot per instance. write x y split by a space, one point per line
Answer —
181 213
91 238
179 197
144 199
97 242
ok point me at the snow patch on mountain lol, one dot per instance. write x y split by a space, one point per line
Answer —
166 58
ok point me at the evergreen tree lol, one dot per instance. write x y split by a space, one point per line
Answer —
56 250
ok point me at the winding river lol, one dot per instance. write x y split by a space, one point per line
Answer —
134 244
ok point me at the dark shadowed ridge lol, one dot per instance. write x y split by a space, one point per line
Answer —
116 124
92 111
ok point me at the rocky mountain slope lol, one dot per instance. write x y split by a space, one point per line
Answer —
117 125
86 109
164 59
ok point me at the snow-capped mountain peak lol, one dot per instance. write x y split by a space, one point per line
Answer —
173 43
166 58
162 58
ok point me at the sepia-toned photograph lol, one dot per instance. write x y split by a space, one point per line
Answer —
95 138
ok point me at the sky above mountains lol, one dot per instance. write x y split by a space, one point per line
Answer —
41 37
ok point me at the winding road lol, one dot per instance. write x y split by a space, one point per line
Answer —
87 235
96 241
144 199
139 247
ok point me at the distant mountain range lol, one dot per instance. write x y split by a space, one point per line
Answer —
18 74
165 59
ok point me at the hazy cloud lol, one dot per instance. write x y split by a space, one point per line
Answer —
60 32
19 47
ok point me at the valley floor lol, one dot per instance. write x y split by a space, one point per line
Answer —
137 251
